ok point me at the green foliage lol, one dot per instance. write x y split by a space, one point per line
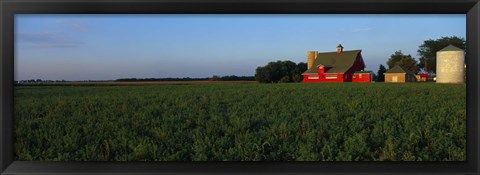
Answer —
428 50
380 77
407 61
280 71
242 122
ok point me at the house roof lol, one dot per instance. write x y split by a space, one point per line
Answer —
338 63
450 48
362 72
398 69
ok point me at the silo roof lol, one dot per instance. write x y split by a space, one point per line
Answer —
450 48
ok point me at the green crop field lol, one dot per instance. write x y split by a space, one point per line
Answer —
242 122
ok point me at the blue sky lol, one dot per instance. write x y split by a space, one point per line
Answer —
106 47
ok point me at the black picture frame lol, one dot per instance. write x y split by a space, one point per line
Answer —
8 8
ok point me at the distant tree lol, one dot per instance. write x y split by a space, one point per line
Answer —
394 59
297 78
428 51
215 78
407 61
262 74
285 79
237 78
380 77
302 67
280 71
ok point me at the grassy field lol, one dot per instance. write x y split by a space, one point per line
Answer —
242 122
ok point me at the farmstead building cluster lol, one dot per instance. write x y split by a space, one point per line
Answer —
348 66
339 66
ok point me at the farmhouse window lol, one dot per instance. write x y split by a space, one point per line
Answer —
312 77
331 76
360 76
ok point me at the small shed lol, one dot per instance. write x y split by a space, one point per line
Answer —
399 74
362 76
422 77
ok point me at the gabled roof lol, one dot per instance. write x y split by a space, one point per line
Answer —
338 63
450 48
398 69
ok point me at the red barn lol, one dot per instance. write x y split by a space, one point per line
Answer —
338 66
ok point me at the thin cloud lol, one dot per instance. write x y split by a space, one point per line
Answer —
73 25
80 26
363 29
47 39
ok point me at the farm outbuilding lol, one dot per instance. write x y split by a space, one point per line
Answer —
339 66
422 77
362 76
399 74
450 65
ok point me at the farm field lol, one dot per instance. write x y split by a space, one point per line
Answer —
242 122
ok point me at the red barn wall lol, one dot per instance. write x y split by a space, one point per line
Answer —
357 66
322 78
365 78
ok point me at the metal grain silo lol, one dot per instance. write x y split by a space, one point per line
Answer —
450 65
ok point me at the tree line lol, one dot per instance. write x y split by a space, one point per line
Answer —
213 78
280 71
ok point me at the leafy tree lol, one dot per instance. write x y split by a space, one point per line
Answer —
262 74
215 78
297 78
380 77
428 51
302 67
285 79
407 61
374 76
394 59
280 71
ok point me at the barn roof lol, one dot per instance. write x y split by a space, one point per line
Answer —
450 48
363 72
398 69
339 63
